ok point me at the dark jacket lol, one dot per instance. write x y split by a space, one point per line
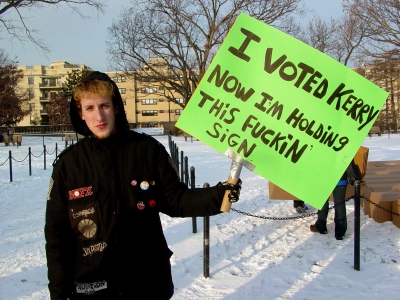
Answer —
103 231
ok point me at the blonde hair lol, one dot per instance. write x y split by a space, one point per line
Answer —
95 86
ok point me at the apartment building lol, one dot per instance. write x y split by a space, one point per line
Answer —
144 98
42 82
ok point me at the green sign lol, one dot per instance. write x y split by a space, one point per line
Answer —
295 113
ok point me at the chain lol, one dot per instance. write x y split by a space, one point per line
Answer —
383 208
20 160
4 162
273 218
51 152
308 215
38 155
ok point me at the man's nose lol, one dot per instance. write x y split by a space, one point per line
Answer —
100 114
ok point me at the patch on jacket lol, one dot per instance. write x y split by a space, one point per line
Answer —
80 193
90 288
96 248
50 188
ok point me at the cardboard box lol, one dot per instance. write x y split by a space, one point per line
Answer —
381 187
384 200
361 160
396 209
276 193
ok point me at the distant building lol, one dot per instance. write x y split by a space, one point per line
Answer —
144 100
42 82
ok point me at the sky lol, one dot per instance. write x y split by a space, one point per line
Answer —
251 257
78 40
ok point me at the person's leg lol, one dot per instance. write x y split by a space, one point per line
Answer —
300 206
297 203
320 224
339 197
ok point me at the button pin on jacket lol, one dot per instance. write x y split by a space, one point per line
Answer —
152 182
144 185
134 182
140 205
152 203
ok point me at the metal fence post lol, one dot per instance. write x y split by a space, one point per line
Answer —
44 159
182 169
10 158
206 243
357 225
192 186
30 161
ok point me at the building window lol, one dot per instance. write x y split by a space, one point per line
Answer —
161 111
122 91
180 100
124 101
31 106
178 111
31 80
161 88
119 79
148 90
149 101
149 113
29 67
31 94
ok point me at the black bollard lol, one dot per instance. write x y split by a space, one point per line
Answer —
206 243
357 225
192 186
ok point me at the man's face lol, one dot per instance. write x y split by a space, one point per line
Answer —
99 114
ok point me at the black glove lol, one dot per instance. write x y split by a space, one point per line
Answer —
233 188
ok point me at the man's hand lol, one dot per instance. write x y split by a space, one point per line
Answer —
233 188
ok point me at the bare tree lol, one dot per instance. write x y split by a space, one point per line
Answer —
383 20
171 43
351 36
385 73
4 59
12 100
342 39
321 35
58 110
18 28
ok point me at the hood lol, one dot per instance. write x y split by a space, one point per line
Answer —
120 118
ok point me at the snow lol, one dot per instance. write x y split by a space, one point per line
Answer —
250 257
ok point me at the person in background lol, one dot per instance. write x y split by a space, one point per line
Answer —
104 238
339 198
10 134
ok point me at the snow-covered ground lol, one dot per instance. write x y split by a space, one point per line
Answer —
250 257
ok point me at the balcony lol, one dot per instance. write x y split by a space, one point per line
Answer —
44 99
50 85
43 112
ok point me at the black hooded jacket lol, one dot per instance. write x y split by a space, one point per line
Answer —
103 231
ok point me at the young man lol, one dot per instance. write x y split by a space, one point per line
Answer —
104 238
